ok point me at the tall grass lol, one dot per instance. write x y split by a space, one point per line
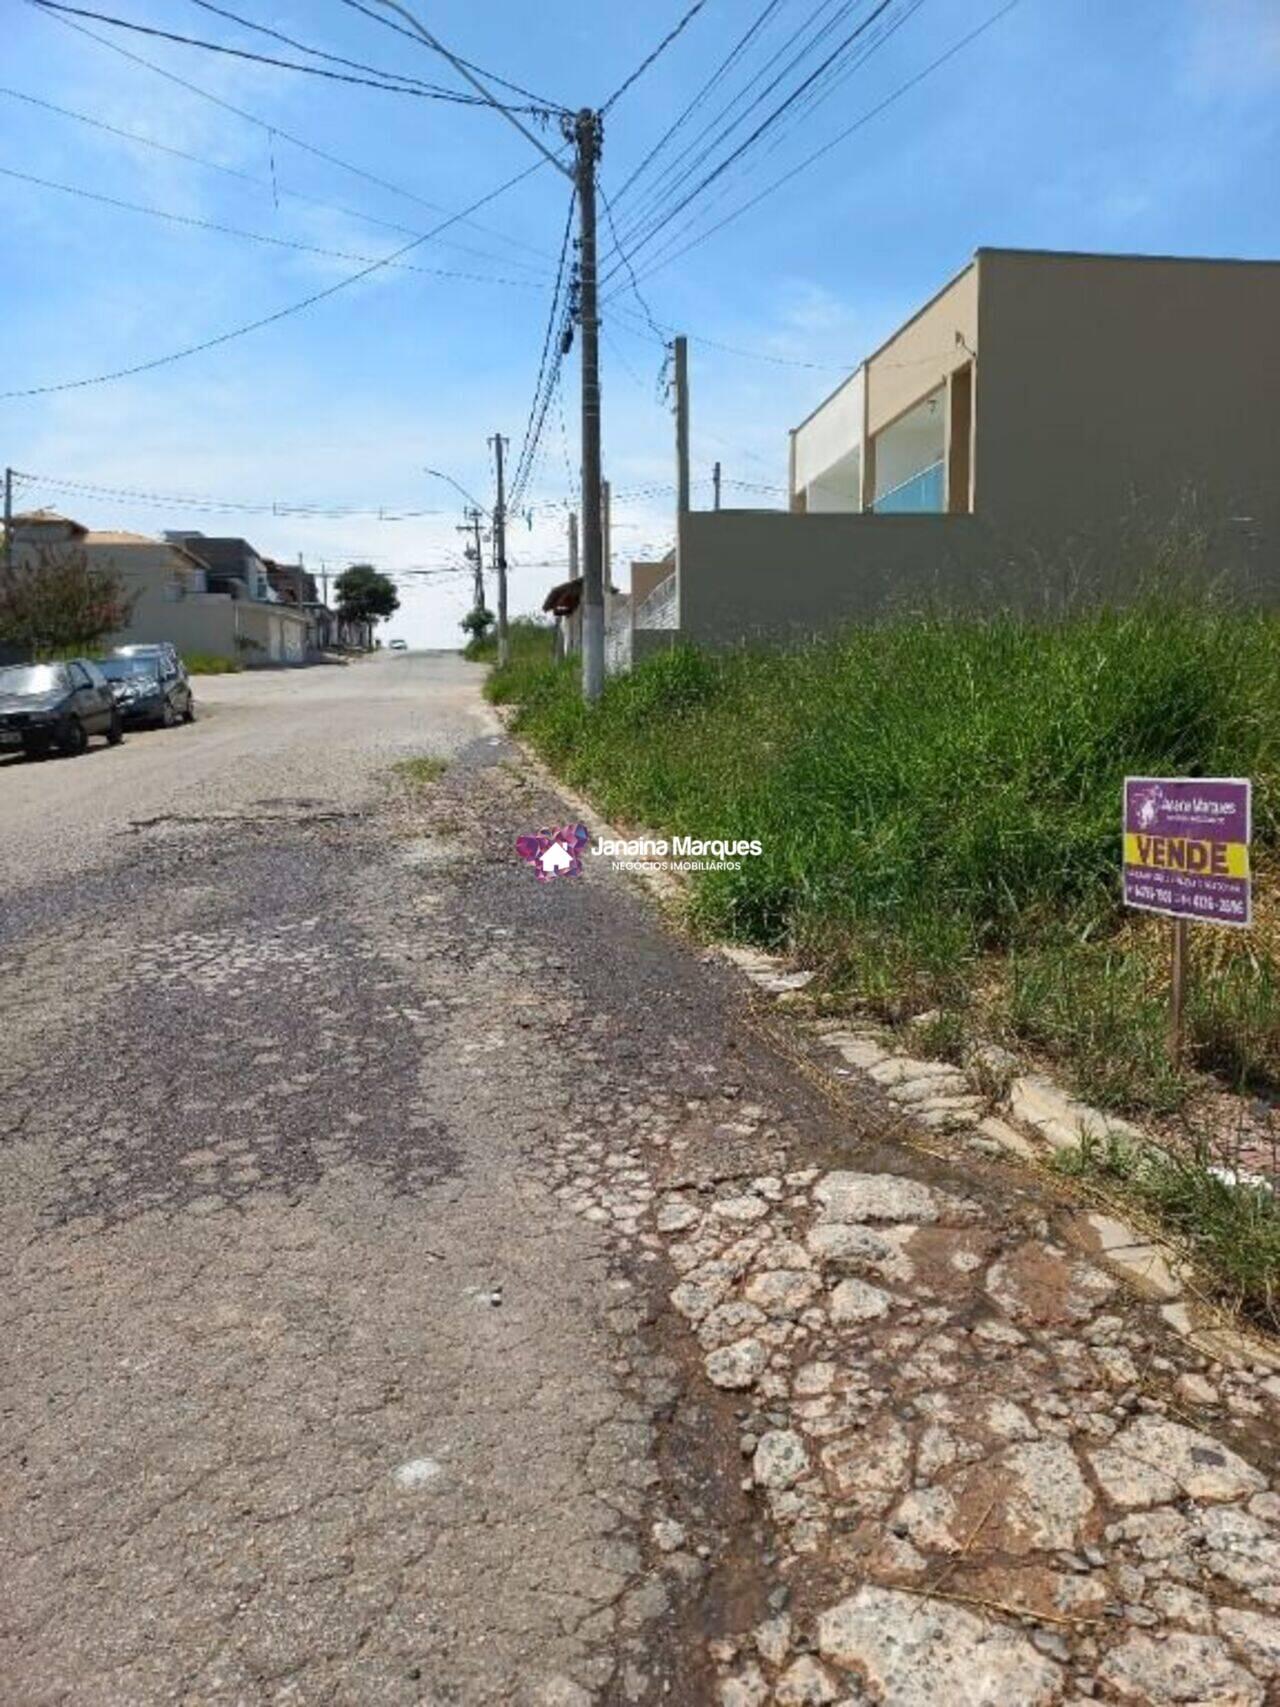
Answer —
939 803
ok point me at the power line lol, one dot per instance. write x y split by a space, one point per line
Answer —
424 91
700 148
838 71
205 502
842 136
488 98
258 236
411 35
279 314
273 184
748 355
658 51
764 125
276 132
547 375
721 71
316 52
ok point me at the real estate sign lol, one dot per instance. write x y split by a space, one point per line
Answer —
1186 847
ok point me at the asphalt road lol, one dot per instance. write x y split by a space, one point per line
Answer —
310 1386
424 1285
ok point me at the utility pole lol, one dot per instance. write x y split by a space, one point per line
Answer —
606 545
472 526
715 480
682 425
585 130
587 138
574 570
500 550
8 518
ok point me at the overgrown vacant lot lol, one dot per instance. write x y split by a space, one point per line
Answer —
939 803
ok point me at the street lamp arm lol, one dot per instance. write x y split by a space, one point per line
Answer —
439 474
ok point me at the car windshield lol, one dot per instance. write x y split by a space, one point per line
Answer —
23 679
128 669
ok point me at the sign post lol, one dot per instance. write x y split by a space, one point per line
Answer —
1186 855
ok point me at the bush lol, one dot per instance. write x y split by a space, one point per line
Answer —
210 664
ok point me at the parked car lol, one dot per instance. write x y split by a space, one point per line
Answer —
151 689
45 707
151 649
399 645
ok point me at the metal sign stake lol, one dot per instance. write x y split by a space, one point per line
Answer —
1178 991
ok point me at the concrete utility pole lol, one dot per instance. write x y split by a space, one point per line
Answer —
585 130
472 526
682 425
587 138
500 549
606 545
574 570
8 518
715 480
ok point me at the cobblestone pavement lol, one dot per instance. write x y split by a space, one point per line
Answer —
429 1286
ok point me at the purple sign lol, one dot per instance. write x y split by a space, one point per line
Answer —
1186 847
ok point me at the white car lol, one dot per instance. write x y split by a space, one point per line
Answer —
399 646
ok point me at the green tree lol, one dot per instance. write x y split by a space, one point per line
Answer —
365 594
477 623
55 604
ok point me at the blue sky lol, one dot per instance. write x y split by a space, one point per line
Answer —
1147 126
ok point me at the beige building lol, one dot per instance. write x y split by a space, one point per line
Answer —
1023 440
168 585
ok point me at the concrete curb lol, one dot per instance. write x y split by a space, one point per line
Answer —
1036 1118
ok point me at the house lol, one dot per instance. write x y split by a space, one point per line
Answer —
1021 442
177 594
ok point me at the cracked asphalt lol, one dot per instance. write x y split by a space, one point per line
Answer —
430 1286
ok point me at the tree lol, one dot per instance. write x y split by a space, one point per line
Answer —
57 604
365 595
477 623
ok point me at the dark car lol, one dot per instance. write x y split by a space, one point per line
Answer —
151 689
56 707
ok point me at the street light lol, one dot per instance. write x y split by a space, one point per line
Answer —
439 474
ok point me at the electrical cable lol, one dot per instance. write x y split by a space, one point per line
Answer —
424 91
657 53
275 131
316 52
275 186
259 236
279 314
842 136
762 128
479 70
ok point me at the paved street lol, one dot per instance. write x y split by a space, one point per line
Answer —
430 1286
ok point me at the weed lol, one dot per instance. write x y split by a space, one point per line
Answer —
210 664
1233 1229
939 803
421 772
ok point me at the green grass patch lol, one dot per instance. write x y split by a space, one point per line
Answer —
1232 1230
939 802
420 772
210 664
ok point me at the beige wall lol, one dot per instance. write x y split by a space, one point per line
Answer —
1112 386
203 622
918 358
748 575
646 576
